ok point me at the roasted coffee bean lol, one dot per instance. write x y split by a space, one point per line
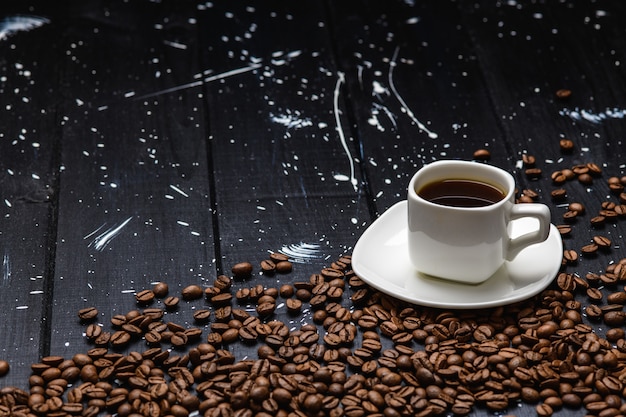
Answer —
533 173
563 93
585 179
221 299
597 220
286 291
602 241
558 177
284 267
577 207
202 316
593 311
295 305
93 331
192 292
482 154
544 410
145 297
564 229
4 367
558 194
242 270
268 266
614 318
566 145
160 289
570 256
120 338
570 215
589 249
171 302
88 313
566 282
528 160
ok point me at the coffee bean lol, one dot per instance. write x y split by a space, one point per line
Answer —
120 338
544 410
268 266
533 173
589 249
602 241
242 270
577 207
570 215
563 93
192 292
558 177
597 220
88 313
202 316
564 229
160 289
585 178
4 367
295 305
171 302
570 256
145 297
558 194
528 160
284 267
482 154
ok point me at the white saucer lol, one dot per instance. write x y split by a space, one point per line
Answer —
381 259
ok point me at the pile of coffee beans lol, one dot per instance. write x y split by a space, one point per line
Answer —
365 353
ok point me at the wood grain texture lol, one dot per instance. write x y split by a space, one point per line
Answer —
169 140
29 149
134 185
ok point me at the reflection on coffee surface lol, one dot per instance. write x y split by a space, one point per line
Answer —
461 193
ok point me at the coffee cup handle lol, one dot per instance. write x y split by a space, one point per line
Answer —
539 211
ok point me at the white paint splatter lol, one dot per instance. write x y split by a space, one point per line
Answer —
257 63
14 24
340 80
6 270
174 44
375 121
405 107
103 239
179 191
302 252
198 83
291 120
592 117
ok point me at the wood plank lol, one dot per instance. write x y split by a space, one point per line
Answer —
416 89
284 173
580 57
286 164
134 203
29 143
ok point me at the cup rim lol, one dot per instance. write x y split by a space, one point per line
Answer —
509 183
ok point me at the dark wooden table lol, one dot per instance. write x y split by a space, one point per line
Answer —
146 141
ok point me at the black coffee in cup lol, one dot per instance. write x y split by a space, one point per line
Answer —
461 193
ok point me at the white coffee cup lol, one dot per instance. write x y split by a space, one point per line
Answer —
467 244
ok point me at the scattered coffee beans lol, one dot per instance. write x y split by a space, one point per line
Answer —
364 353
